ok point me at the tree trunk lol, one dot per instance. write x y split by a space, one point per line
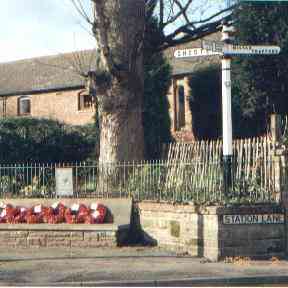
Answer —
119 29
121 136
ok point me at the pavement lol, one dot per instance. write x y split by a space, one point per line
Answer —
132 266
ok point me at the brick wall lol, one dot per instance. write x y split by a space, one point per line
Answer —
19 238
61 105
69 235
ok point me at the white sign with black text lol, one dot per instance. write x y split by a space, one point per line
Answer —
215 48
193 52
254 219
251 50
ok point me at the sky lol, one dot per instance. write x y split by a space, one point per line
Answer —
32 28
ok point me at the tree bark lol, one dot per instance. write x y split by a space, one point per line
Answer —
121 134
119 29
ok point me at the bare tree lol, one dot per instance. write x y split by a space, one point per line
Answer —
118 27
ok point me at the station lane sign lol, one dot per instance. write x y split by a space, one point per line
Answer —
194 52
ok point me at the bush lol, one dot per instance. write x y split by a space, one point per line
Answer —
44 140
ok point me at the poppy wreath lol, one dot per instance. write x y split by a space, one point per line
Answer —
55 214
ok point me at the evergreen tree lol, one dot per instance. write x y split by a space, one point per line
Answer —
260 83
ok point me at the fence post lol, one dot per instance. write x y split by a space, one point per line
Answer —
280 176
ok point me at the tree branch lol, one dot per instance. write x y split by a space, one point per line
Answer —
181 12
80 9
188 34
192 35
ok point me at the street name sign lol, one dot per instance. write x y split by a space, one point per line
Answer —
230 49
254 219
193 52
210 48
250 50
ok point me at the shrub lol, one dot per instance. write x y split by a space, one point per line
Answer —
44 140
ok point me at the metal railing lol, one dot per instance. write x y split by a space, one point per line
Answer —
198 182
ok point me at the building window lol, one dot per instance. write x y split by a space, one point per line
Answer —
86 101
181 107
24 105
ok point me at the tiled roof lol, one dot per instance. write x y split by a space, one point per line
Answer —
62 71
45 73
182 66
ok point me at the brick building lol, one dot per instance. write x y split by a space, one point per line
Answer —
48 87
52 87
180 90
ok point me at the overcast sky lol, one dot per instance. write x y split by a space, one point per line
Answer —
31 28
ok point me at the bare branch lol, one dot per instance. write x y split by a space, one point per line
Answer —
80 9
215 15
192 34
188 32
182 11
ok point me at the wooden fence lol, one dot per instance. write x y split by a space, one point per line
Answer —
254 165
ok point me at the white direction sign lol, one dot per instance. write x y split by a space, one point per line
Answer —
250 50
218 48
215 46
193 52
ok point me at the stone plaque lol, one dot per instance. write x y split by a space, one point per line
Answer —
64 181
254 219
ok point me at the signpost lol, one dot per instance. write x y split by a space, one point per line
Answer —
227 50
193 52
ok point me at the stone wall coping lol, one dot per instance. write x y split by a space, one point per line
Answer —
59 227
166 207
119 207
211 210
251 209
